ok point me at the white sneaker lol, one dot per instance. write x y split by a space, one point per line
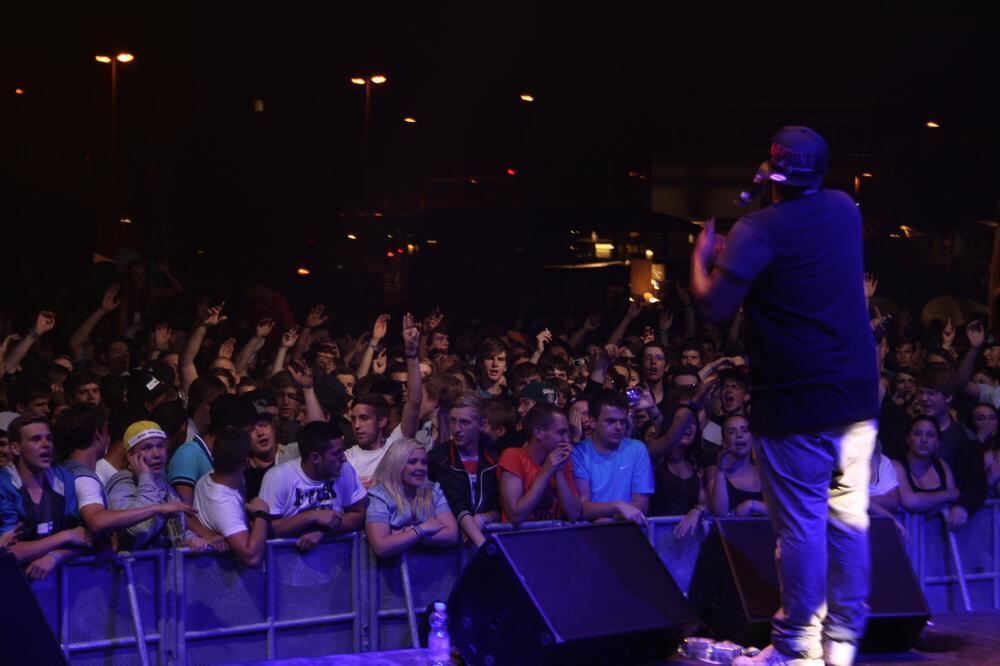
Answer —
771 657
839 653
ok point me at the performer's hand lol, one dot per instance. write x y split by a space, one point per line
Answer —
708 246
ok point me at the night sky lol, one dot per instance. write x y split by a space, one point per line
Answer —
618 87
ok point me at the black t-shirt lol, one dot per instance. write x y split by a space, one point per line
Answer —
812 354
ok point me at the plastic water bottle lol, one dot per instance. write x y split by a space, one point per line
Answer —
439 642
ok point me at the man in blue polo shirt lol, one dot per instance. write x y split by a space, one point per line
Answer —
612 472
193 459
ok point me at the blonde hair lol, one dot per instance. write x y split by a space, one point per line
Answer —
389 474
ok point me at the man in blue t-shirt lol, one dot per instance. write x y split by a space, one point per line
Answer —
612 472
796 265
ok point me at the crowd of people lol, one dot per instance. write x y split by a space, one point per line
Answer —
122 432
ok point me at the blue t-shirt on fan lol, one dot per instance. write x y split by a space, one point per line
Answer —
616 475
812 355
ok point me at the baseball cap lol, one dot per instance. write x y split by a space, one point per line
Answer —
798 156
143 385
539 392
263 401
140 431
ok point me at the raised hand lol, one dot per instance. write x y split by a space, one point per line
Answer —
111 300
543 338
380 328
433 320
666 320
213 315
45 322
10 339
290 337
301 373
871 284
411 336
707 248
948 335
265 326
362 342
226 348
612 352
976 334
380 362
684 295
634 309
646 400
316 316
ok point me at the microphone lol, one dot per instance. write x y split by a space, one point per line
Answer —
756 187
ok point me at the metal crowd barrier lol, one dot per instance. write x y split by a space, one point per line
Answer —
339 598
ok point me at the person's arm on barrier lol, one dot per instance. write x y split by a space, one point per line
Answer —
918 502
56 545
307 521
386 542
569 501
216 541
619 509
689 523
353 518
40 569
248 546
100 520
885 505
472 529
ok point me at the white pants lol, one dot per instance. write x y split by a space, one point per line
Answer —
816 488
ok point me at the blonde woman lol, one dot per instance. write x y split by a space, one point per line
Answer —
404 506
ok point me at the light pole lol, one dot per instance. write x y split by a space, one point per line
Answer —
367 82
123 58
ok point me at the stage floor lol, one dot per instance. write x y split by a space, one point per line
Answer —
966 638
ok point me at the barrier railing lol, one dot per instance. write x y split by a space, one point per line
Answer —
339 598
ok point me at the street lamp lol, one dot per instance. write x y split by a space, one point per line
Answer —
374 79
123 58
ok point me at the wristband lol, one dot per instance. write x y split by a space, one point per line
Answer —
263 515
419 532
701 508
33 333
374 348
693 406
